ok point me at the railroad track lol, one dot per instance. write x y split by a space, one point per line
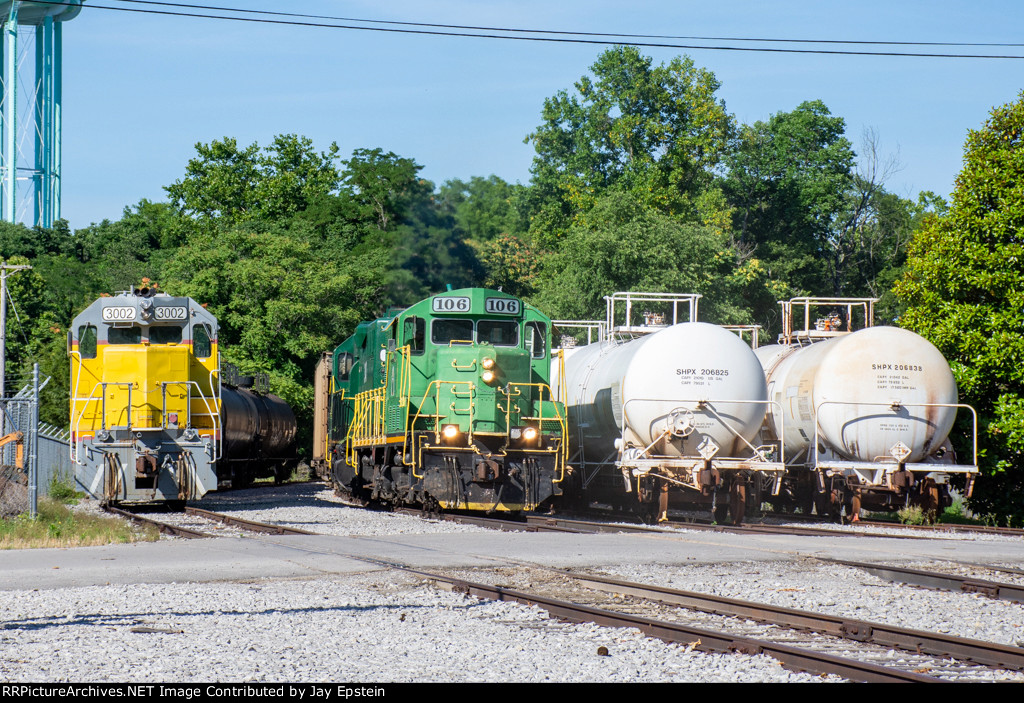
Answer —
940 580
588 525
800 640
949 527
178 530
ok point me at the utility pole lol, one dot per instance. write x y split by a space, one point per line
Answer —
5 271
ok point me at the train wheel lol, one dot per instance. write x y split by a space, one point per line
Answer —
822 504
931 498
720 511
738 501
647 512
855 507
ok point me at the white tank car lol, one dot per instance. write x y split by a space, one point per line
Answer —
676 409
867 391
677 388
882 401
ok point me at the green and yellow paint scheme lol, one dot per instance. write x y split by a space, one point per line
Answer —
447 404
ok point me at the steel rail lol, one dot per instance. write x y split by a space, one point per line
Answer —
792 658
503 524
554 523
940 581
164 528
249 525
590 526
949 527
985 653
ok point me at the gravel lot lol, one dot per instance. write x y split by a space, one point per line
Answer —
379 627
384 626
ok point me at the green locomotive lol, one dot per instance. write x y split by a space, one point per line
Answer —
445 405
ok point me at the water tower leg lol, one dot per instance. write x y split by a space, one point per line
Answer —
11 111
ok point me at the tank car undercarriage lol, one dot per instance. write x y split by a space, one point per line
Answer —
449 478
841 497
728 495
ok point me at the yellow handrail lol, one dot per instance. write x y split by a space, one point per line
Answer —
370 412
558 416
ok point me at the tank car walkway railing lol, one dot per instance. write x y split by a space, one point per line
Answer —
888 465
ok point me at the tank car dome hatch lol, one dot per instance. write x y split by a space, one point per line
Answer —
33 12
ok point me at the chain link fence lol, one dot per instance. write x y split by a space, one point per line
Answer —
21 438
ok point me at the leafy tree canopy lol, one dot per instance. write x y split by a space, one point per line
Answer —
227 184
626 245
658 131
964 291
485 208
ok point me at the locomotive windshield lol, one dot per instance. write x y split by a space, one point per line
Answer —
124 335
447 331
165 335
536 334
500 333
87 341
415 334
201 345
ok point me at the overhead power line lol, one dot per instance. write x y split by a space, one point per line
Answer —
527 35
570 33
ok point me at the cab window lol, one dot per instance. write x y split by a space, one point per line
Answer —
165 335
536 338
345 363
445 331
500 333
87 341
415 334
202 347
124 335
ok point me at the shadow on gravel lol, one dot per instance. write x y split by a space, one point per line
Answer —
132 619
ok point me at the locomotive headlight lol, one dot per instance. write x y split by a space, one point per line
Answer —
450 432
524 435
487 363
488 377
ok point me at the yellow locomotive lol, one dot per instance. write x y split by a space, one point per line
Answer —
151 418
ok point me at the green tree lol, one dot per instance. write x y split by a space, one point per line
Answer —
630 246
428 251
386 185
512 264
656 131
964 291
281 295
485 208
788 180
226 184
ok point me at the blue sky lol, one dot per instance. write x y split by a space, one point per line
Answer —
140 91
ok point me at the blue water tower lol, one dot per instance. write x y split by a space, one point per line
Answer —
30 112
